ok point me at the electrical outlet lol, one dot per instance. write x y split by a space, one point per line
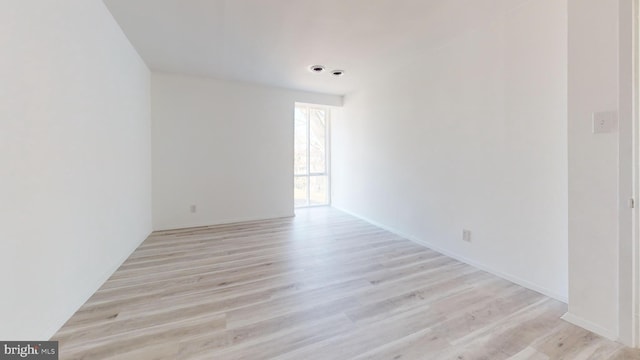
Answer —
466 235
193 209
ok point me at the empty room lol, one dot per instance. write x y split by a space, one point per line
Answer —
290 179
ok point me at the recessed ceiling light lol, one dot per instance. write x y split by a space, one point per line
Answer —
337 72
316 68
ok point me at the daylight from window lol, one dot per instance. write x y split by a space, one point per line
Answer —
311 156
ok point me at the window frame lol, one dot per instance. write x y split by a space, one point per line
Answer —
327 153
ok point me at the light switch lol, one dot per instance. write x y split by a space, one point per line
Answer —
605 122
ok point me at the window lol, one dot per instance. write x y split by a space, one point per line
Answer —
311 156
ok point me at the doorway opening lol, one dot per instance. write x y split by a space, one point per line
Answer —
311 156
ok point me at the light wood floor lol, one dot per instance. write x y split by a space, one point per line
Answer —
323 285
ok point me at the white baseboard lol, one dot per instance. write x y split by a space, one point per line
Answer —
92 285
527 284
585 324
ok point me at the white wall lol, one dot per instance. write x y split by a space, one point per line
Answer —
75 162
226 147
472 136
593 167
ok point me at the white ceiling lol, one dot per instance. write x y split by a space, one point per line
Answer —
274 42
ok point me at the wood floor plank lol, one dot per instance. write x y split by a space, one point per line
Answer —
322 285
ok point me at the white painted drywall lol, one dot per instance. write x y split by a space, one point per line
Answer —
226 147
275 42
473 136
75 167
628 320
593 167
